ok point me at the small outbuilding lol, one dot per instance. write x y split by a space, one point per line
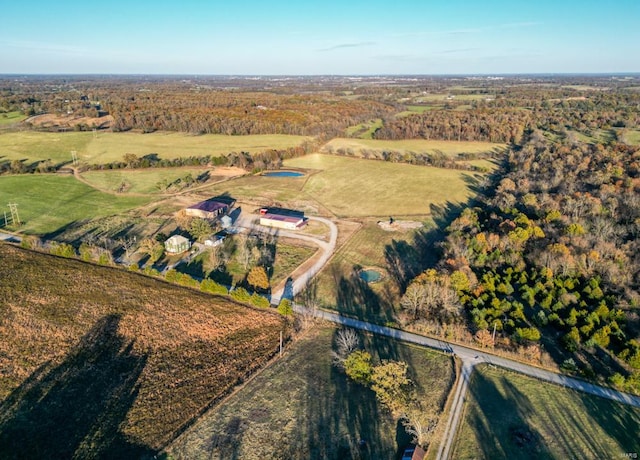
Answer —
215 240
177 244
282 218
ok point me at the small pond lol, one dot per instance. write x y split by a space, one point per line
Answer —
370 275
283 174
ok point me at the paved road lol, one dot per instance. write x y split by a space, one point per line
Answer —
456 410
477 357
10 238
247 220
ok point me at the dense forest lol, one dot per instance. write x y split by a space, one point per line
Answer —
552 256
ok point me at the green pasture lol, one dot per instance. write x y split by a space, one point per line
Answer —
450 148
112 146
352 187
9 118
364 130
140 180
512 416
261 190
47 203
107 147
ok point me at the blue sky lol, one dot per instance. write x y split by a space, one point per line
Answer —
331 37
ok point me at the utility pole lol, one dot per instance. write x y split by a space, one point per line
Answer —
15 218
493 340
280 343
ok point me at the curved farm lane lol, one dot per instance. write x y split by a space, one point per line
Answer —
247 220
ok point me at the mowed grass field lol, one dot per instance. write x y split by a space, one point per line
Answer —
302 407
261 190
140 180
48 202
352 187
102 363
108 147
517 417
449 148
632 137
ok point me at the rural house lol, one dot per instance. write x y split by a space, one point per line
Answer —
282 218
209 209
177 244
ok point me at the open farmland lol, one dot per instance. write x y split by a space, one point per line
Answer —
148 180
517 417
108 147
449 148
47 203
352 187
98 362
302 407
32 146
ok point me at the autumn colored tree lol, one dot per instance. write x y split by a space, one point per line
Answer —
258 279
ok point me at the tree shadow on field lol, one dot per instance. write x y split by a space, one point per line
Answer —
74 409
620 421
355 298
335 415
501 420
407 259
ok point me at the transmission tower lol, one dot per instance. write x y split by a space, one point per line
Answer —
74 157
15 218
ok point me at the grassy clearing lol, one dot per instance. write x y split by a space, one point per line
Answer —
108 147
302 407
449 97
98 362
355 187
9 118
364 130
632 137
449 148
47 203
288 258
140 180
517 417
420 108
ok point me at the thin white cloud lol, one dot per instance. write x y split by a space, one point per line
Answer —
44 47
469 31
347 45
456 50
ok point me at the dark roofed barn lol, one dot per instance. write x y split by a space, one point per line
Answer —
209 209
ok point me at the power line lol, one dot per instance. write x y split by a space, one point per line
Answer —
15 218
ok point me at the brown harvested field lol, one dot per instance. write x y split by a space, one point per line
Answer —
50 120
99 362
